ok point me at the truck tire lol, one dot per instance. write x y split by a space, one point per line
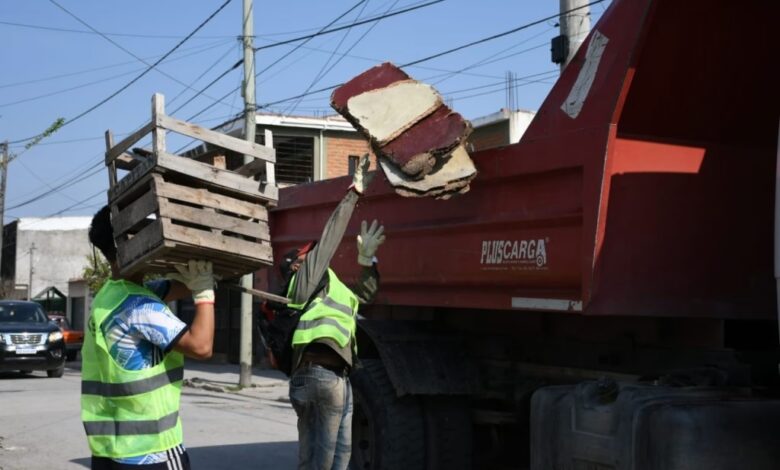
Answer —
387 431
448 433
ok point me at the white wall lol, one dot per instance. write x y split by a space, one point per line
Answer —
59 255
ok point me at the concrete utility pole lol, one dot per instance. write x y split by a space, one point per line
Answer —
245 350
29 282
3 173
575 26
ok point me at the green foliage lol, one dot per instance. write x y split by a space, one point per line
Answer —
59 122
96 272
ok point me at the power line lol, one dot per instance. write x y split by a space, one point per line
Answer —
126 86
322 73
198 49
440 54
119 46
98 165
84 31
341 28
499 35
319 33
84 85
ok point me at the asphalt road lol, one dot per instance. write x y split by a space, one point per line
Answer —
40 427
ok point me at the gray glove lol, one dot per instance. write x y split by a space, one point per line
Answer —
198 278
368 242
362 176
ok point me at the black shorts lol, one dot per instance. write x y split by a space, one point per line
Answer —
179 462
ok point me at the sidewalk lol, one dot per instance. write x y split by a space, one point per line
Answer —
217 375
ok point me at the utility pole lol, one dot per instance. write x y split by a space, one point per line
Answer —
247 281
575 26
3 173
29 282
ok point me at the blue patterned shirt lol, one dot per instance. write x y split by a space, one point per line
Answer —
138 333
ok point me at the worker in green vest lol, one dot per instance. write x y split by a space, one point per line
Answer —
133 358
324 341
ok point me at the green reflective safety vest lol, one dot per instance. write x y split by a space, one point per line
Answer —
331 316
127 412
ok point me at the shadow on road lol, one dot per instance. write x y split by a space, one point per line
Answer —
276 455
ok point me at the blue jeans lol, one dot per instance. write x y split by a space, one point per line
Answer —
323 402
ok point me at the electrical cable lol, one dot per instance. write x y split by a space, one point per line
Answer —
200 48
84 85
126 86
322 73
122 48
319 33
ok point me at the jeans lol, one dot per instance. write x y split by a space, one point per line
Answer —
323 402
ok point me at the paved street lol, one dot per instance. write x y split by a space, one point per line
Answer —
254 428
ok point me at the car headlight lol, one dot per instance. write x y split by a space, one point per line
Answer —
55 336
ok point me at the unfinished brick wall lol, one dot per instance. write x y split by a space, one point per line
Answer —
494 135
339 147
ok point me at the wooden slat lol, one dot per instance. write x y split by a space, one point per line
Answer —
127 162
220 140
127 142
180 234
138 174
111 166
213 220
226 180
134 213
143 242
158 134
270 173
208 199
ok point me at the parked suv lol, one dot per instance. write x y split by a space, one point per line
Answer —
29 340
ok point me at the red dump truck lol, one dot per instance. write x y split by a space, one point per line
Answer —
604 297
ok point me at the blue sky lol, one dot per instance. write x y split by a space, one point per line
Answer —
50 74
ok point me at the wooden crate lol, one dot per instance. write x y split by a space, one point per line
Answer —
169 209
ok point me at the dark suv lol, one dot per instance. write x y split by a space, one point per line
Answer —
28 340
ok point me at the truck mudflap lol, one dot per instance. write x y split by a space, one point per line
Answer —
612 425
419 362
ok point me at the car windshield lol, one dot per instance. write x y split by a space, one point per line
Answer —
23 313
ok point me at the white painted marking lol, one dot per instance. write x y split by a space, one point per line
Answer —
573 104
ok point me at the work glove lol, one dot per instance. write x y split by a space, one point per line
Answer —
362 176
198 278
368 242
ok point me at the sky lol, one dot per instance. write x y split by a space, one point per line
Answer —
56 67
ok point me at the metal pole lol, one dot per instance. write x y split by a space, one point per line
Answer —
574 25
247 281
3 173
29 282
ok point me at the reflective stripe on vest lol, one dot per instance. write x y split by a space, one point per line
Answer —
332 316
127 412
129 428
93 387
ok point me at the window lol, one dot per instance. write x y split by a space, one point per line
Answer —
352 164
294 159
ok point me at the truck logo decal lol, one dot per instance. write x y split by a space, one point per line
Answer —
515 252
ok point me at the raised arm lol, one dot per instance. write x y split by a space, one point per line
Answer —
316 263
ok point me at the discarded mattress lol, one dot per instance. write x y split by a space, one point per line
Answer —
420 141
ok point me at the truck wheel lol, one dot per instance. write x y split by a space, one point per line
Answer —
448 434
387 431
55 373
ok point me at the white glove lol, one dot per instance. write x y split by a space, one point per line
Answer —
198 278
368 242
362 176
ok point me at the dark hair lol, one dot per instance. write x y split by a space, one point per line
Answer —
101 234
